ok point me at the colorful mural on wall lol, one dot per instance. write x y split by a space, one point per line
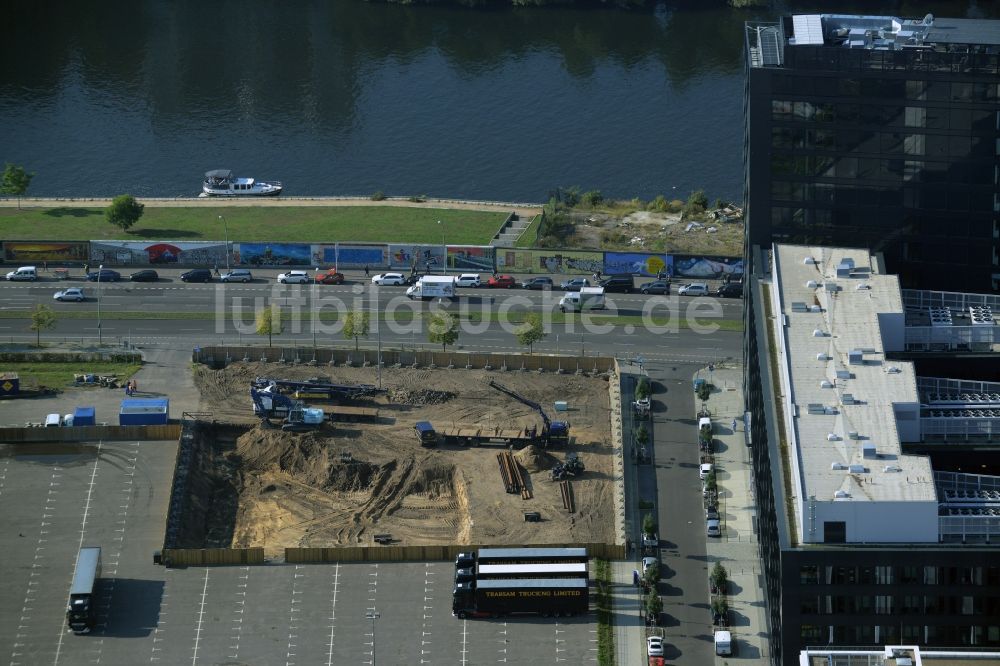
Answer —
470 258
636 263
423 257
157 253
345 255
707 267
272 254
548 261
28 251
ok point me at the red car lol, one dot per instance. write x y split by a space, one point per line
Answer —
330 276
501 282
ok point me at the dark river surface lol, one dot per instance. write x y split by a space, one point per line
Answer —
343 97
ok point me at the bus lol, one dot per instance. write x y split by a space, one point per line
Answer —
82 607
521 556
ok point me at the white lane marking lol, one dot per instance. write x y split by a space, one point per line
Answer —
333 613
201 616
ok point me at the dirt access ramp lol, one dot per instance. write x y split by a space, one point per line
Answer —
349 481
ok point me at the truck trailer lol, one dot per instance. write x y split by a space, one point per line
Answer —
529 596
81 610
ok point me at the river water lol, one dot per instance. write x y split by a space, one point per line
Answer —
343 97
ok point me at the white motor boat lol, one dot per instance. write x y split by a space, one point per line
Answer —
222 183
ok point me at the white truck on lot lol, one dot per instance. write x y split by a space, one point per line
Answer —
723 643
433 286
588 298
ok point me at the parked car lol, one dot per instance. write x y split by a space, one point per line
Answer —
712 512
237 275
144 276
24 273
71 294
501 282
713 528
537 283
654 646
730 290
694 289
294 277
648 562
388 279
104 275
704 470
330 276
655 287
618 283
197 275
575 284
467 280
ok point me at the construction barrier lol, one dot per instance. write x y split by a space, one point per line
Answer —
220 357
390 553
203 557
169 431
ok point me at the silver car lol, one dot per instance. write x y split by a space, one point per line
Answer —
294 277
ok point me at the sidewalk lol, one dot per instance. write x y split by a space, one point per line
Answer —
737 548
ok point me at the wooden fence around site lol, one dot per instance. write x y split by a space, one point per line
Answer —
200 557
390 553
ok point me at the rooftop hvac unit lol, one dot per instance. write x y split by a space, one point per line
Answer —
868 450
853 434
845 374
818 333
893 370
811 284
822 357
845 267
841 494
831 286
837 466
798 306
809 261
815 308
816 408
892 468
863 286
847 398
856 357
857 469
826 383
832 437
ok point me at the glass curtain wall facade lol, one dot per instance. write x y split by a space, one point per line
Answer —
896 151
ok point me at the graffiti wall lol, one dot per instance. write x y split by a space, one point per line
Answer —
548 261
707 267
636 263
345 255
472 258
423 257
27 252
157 253
272 254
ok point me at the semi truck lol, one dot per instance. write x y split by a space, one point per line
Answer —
521 556
433 286
588 298
530 596
81 609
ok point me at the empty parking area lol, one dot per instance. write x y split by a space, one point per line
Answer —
57 497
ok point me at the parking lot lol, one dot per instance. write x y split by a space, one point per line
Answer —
114 495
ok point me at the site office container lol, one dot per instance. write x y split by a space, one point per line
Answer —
144 411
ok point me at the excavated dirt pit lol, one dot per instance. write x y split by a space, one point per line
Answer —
349 481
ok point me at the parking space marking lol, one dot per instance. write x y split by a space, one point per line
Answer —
503 642
333 612
559 642
425 632
293 626
239 607
201 618
465 642
372 591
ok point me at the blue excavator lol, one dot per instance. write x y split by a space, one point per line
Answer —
554 433
317 389
293 415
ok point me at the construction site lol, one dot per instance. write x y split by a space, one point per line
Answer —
314 456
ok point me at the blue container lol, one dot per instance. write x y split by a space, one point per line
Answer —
84 416
144 411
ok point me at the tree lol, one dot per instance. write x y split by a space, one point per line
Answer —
654 605
15 181
652 575
592 198
642 435
268 321
531 331
697 202
42 319
648 525
443 328
124 211
356 326
642 388
718 577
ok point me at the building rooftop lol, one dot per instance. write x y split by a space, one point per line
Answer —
891 33
892 655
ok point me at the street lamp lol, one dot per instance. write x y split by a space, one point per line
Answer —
225 226
444 251
373 615
100 274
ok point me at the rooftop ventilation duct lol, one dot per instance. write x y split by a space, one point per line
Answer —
826 383
842 494
892 468
837 466
809 261
857 469
818 333
811 284
832 437
822 357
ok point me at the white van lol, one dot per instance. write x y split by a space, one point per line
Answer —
723 643
23 273
53 421
588 298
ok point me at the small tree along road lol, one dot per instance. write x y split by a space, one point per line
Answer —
356 326
268 321
443 328
531 331
15 181
42 319
124 211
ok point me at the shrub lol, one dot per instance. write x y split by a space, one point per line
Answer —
642 388
697 203
417 198
592 198
648 524
675 206
658 205
378 196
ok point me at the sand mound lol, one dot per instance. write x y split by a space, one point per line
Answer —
534 459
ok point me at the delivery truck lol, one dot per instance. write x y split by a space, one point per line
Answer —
588 298
433 286
536 596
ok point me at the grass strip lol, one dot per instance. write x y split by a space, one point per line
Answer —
290 224
513 317
605 626
529 236
59 374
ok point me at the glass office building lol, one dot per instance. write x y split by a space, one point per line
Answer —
878 132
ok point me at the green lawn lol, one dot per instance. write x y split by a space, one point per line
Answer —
319 224
530 235
60 374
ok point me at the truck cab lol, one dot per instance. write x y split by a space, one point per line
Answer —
588 298
465 575
463 603
425 433
465 560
